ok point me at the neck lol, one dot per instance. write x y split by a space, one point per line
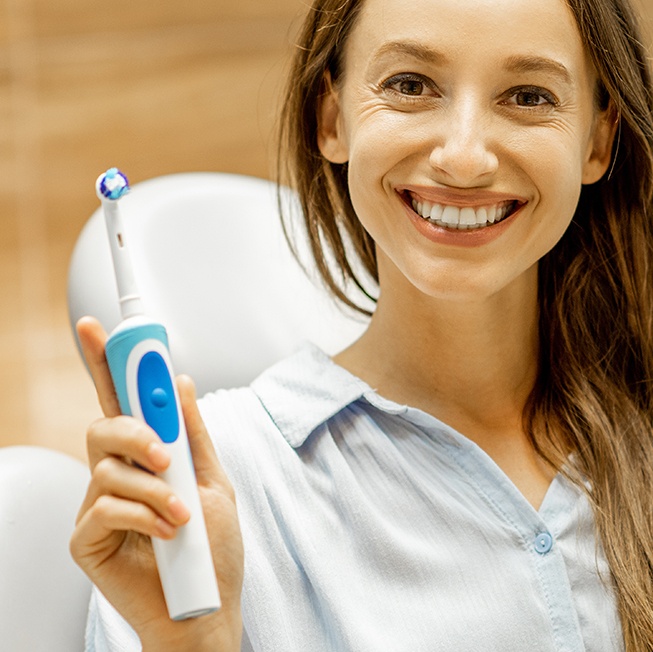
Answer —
470 363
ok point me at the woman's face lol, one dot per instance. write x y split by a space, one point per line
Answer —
469 127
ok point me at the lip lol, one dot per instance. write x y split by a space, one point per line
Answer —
457 237
459 198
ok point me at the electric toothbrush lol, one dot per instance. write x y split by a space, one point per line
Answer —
139 362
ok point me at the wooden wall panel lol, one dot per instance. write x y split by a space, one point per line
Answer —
56 18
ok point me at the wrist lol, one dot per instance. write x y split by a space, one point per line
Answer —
220 632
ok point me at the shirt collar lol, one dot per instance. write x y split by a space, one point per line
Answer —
305 390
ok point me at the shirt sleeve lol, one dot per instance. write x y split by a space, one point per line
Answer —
107 631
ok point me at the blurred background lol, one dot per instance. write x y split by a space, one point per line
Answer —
154 87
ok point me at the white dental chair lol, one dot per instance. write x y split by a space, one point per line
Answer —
212 264
43 594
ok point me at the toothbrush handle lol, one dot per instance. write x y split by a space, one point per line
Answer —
141 370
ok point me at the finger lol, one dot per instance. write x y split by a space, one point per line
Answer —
92 338
116 478
207 465
110 515
126 438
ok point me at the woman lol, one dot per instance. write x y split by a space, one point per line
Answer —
473 473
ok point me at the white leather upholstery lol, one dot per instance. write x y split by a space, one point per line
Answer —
43 594
212 264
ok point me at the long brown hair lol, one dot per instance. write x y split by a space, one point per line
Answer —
590 413
329 217
594 393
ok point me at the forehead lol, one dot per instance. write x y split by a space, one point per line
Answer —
475 30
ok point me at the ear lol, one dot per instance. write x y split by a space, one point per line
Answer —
600 147
330 131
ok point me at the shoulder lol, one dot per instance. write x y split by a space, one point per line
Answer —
287 401
259 434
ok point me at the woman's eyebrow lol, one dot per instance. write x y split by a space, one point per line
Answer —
532 63
412 49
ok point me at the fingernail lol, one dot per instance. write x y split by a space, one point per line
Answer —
158 455
178 510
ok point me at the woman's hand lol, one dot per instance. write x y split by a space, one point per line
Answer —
127 503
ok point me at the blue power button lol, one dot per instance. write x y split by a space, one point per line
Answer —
154 393
159 397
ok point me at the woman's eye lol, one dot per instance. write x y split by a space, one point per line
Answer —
409 85
531 98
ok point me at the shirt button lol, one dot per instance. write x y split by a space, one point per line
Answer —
543 543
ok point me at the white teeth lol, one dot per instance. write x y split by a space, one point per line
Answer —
468 216
451 215
436 212
461 218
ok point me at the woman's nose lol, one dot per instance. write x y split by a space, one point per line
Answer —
462 154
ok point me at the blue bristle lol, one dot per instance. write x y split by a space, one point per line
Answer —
117 192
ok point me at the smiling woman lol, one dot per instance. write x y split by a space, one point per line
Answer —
473 473
529 77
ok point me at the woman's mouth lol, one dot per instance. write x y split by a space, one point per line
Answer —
465 218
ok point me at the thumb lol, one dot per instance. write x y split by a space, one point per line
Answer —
93 338
207 465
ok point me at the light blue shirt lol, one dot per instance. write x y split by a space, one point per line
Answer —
371 526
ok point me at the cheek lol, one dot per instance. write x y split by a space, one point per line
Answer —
558 188
378 136
376 152
384 148
552 164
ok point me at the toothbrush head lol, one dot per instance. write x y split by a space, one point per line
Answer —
111 185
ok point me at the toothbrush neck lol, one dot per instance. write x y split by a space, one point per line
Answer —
131 306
